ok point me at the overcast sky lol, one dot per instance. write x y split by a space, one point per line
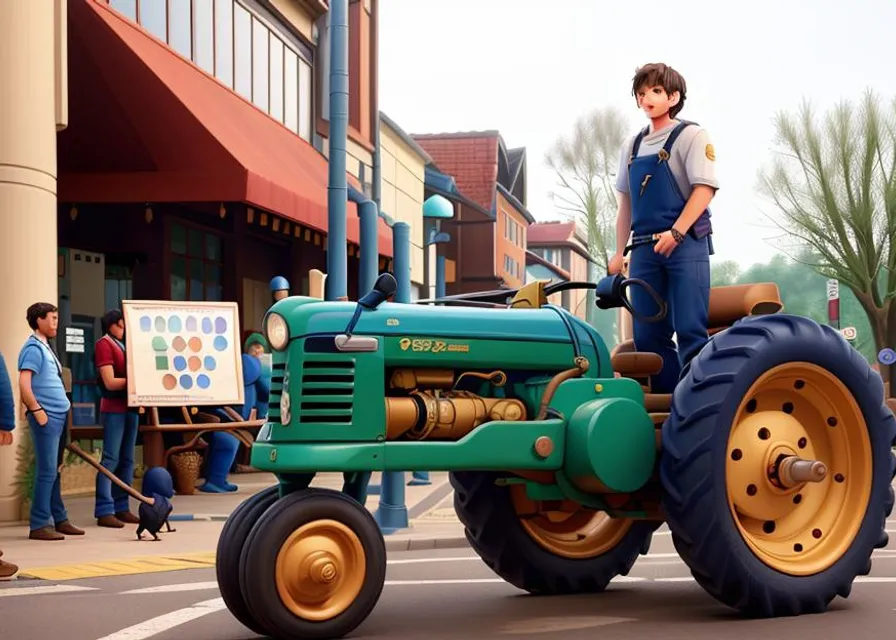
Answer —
529 68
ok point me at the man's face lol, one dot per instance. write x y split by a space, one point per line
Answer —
280 294
117 329
655 102
256 350
49 325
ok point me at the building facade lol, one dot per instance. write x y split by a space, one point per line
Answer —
170 150
486 181
563 244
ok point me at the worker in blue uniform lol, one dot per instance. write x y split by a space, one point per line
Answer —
666 181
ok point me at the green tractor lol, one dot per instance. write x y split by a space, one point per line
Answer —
771 462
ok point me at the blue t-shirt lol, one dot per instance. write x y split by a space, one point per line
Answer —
7 404
46 382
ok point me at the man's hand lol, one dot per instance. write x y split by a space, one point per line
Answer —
616 264
666 244
5 438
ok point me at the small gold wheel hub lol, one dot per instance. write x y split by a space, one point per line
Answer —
320 570
574 532
798 468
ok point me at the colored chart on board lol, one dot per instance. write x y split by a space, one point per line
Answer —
183 353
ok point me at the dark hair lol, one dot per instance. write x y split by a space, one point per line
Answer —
39 310
657 74
112 316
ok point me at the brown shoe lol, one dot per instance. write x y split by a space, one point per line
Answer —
45 533
127 517
69 529
7 570
109 521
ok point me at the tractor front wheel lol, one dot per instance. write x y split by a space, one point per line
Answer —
547 553
314 566
776 466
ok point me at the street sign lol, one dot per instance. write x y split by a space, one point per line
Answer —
833 289
849 333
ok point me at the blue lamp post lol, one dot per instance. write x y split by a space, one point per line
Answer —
435 209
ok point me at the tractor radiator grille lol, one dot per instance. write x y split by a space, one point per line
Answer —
327 392
277 372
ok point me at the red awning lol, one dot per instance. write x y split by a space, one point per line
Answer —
146 125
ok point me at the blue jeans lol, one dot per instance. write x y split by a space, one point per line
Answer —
46 500
682 280
119 442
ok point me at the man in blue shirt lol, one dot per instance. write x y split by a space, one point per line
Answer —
7 424
47 407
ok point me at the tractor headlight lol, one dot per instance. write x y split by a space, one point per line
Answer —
277 330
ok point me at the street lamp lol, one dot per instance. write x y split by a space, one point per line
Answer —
435 209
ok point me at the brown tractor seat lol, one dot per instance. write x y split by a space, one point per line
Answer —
727 305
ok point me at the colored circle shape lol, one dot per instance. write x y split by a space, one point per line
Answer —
179 344
174 324
220 343
186 381
194 363
203 381
206 325
169 381
160 323
195 344
159 343
145 324
220 325
191 324
180 363
887 356
210 364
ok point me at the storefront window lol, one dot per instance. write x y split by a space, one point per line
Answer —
203 35
196 264
243 47
180 21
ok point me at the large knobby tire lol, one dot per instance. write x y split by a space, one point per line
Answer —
497 534
314 566
230 547
769 388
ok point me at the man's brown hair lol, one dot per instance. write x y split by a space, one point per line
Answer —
657 74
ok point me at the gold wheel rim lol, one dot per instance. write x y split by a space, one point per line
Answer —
802 410
320 570
577 535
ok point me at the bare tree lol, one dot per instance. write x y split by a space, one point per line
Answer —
833 184
586 163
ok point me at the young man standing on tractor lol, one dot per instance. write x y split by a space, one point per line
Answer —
666 180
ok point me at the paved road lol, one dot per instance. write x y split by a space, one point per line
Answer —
445 594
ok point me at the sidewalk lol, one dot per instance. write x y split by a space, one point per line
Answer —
198 520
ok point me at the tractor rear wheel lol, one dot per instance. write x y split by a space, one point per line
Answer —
776 466
550 553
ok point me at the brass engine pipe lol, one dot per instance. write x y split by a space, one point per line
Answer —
581 367
424 416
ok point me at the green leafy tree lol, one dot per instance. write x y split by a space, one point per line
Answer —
833 185
585 163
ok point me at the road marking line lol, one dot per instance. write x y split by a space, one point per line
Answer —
858 580
157 625
35 591
428 560
171 588
415 583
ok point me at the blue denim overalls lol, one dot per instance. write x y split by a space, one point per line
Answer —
682 279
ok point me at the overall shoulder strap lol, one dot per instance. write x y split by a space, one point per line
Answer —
681 126
637 143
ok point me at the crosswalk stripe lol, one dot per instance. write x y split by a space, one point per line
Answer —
157 625
36 591
171 588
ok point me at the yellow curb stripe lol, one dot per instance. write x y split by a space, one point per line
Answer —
131 566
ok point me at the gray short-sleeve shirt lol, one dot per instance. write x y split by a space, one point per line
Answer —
692 159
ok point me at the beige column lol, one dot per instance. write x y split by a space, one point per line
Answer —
32 107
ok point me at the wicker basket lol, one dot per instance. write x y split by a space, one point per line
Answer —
185 471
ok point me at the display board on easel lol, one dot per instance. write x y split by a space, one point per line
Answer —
183 353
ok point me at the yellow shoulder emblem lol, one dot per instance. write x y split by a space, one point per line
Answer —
710 152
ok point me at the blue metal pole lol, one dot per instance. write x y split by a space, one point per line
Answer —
440 276
369 263
337 190
393 512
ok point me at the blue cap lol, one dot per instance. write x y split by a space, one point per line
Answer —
279 283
